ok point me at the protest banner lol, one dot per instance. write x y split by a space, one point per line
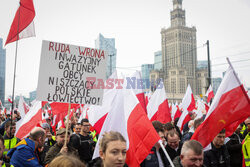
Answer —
67 71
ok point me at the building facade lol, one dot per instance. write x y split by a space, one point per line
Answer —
179 55
158 60
216 83
2 70
107 44
145 74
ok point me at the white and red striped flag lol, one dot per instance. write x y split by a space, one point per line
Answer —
188 102
128 117
158 108
184 118
98 114
29 121
138 88
176 113
209 94
230 105
22 25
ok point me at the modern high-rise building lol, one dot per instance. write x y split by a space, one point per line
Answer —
216 83
2 70
179 56
107 44
158 60
145 73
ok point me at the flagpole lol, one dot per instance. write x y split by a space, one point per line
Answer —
67 126
165 152
14 77
244 91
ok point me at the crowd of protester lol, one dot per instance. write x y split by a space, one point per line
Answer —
45 147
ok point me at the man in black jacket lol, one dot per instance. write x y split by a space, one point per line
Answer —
173 144
83 142
235 148
218 156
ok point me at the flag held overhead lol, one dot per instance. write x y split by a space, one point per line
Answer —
22 25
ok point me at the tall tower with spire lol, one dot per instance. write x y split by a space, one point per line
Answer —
179 54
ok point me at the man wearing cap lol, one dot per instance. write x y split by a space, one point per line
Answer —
59 148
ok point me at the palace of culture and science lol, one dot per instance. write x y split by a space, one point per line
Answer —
179 57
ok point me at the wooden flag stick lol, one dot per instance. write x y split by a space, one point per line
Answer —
67 126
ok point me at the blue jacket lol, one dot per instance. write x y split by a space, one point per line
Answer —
24 154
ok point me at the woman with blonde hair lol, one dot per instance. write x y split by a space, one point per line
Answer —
66 161
113 149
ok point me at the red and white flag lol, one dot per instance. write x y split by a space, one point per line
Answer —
176 113
184 118
29 121
21 107
138 88
98 114
188 102
22 25
60 111
128 117
147 97
209 94
158 109
230 105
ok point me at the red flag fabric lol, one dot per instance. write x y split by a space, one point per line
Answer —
22 25
176 113
128 117
10 100
209 94
158 108
30 120
60 111
188 102
230 104
138 89
184 118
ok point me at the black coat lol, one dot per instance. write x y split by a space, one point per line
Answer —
172 153
217 157
234 148
152 159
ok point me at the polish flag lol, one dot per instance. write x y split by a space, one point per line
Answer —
29 121
22 25
184 118
158 109
230 105
128 117
209 94
176 113
138 89
84 113
147 97
188 102
98 114
21 107
60 111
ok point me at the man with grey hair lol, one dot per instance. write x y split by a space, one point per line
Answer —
191 155
25 152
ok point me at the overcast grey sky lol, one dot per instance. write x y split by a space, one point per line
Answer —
136 26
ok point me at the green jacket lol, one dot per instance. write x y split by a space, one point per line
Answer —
54 151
